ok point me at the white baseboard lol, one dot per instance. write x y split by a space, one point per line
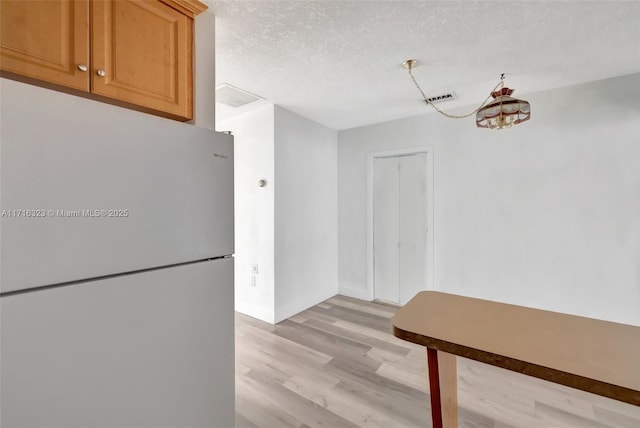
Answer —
260 313
292 308
356 293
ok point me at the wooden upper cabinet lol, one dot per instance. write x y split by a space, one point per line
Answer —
46 40
142 54
137 53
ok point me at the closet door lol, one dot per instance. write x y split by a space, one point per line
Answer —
412 231
386 226
400 227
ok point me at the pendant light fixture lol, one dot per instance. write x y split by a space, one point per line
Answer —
499 110
503 111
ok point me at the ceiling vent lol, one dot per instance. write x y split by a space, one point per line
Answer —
450 96
234 97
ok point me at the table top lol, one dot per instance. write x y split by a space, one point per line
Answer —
596 356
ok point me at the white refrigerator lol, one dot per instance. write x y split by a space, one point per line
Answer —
116 268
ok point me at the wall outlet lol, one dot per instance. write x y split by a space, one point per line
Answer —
254 269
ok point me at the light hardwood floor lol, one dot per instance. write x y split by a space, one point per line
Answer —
338 365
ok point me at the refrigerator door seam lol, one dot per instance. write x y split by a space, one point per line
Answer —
99 278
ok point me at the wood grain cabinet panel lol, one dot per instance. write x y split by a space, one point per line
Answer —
135 53
46 40
142 54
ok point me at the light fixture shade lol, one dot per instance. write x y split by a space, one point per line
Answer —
503 112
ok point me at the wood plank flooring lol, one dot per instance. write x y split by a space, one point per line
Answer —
338 365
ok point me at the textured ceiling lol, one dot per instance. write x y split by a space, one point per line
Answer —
338 62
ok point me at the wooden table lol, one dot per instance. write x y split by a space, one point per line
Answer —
596 356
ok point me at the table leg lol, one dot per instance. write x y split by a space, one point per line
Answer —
443 388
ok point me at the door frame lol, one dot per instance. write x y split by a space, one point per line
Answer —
371 156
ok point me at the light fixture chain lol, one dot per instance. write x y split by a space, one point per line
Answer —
453 116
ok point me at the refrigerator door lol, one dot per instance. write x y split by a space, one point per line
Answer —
89 189
154 349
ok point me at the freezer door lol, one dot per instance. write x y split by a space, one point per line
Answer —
89 189
148 350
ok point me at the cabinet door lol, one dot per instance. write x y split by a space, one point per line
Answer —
141 54
46 40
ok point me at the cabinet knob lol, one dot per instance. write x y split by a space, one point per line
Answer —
82 67
101 73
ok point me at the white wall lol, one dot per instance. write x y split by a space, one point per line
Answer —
544 214
204 81
289 227
306 219
254 211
